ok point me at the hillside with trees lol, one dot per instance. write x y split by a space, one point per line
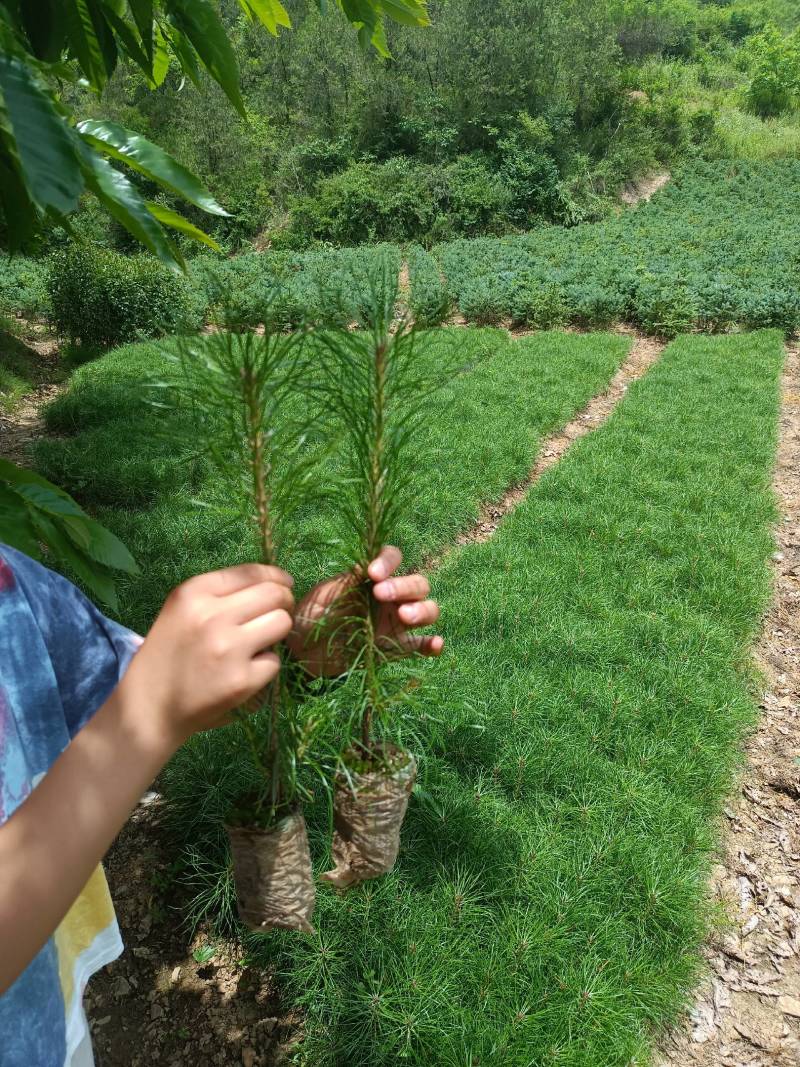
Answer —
497 117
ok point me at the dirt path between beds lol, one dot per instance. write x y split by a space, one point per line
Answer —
25 424
747 1013
644 352
20 427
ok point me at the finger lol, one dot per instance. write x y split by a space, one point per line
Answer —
231 580
407 644
327 593
266 666
385 563
267 630
424 613
431 645
398 590
258 600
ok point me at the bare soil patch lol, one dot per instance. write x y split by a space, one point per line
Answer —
747 1013
158 1003
642 189
24 424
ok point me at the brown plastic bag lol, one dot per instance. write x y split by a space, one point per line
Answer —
368 812
273 876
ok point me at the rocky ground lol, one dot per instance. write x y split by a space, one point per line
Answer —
748 1010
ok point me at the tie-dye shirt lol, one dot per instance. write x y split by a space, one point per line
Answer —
60 658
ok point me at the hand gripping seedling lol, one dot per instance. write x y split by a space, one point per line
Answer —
244 388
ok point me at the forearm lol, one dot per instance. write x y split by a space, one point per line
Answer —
55 839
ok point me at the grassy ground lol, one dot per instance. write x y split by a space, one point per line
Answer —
548 905
581 730
20 366
482 436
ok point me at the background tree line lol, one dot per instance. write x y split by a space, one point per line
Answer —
492 119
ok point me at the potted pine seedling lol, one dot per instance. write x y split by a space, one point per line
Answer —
377 380
244 389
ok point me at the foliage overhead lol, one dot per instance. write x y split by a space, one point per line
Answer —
33 511
47 161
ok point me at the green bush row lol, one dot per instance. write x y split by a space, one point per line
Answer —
428 299
104 298
289 287
716 249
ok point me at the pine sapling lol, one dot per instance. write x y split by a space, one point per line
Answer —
244 389
377 382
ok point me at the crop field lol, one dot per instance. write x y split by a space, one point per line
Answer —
716 248
548 905
482 322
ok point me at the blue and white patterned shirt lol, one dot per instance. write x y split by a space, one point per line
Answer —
60 659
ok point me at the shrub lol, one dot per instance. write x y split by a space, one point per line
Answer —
401 199
532 183
481 303
778 306
23 287
429 300
594 306
542 306
775 62
665 309
103 298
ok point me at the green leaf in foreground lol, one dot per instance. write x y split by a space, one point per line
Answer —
199 22
91 40
148 159
167 217
204 953
271 13
123 201
45 144
35 512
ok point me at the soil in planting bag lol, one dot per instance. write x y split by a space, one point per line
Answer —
369 809
272 872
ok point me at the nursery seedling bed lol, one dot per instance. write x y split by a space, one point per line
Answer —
642 355
710 251
520 390
358 1032
549 901
747 1006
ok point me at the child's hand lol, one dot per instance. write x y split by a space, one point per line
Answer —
322 648
209 649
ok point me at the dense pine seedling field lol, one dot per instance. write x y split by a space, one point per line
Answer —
716 248
526 387
548 903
